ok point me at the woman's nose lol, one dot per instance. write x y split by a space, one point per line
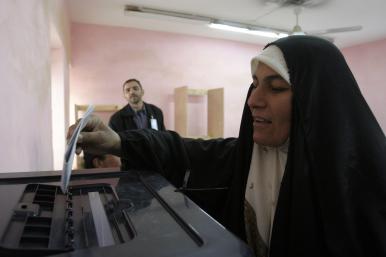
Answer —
256 98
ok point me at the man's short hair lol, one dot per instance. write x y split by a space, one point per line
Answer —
132 80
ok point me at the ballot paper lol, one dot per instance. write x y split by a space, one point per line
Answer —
70 150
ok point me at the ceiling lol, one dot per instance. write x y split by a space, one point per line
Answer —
317 15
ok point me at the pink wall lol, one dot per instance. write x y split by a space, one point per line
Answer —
25 100
27 30
103 57
368 64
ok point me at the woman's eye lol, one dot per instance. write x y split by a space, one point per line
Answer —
279 89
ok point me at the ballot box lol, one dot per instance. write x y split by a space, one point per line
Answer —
106 212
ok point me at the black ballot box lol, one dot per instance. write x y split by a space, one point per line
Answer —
106 213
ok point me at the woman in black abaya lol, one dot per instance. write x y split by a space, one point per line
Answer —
315 185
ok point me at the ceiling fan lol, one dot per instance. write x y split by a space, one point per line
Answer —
245 27
297 30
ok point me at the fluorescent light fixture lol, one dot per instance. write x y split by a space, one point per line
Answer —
212 22
228 28
261 33
139 9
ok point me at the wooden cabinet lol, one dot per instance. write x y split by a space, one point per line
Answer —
215 105
103 111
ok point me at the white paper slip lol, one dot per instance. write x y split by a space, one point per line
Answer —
70 150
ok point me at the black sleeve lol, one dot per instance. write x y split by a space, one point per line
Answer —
160 151
210 162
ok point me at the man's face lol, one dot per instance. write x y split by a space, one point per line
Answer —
270 103
133 92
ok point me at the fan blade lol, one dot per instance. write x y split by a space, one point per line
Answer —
334 30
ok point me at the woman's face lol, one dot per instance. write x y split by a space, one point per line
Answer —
270 103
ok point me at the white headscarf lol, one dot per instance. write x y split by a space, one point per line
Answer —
267 163
274 58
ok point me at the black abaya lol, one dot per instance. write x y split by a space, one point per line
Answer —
332 200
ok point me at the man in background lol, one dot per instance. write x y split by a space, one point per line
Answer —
136 114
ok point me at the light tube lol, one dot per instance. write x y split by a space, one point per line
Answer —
247 30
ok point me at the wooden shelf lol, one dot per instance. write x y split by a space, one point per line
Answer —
107 108
215 110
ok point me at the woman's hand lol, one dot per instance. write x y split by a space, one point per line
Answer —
97 138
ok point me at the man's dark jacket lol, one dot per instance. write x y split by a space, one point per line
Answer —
123 119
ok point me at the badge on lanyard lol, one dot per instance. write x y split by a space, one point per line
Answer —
153 123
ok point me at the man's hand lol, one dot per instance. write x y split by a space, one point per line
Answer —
97 138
